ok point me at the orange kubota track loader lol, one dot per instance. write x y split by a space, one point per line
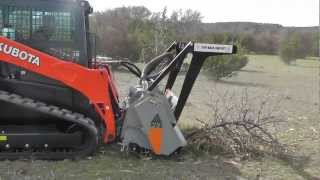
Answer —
57 102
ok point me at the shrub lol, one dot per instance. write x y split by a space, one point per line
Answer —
293 48
226 66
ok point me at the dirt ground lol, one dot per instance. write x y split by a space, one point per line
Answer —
297 87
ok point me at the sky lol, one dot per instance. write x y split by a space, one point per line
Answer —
284 12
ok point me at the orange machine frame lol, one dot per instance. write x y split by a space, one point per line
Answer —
95 84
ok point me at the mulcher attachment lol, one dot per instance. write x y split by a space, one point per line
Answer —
150 123
151 115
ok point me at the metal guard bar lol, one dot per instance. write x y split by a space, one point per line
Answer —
200 53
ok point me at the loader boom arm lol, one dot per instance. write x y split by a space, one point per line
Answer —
95 84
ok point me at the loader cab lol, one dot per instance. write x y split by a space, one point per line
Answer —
56 27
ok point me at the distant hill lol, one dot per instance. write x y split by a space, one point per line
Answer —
252 28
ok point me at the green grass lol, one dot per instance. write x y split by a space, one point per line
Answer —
297 85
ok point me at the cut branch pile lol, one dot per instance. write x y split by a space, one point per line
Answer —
238 126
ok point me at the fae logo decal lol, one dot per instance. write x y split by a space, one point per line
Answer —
21 55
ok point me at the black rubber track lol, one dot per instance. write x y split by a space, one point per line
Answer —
89 146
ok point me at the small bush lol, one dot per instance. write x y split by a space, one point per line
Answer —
225 66
295 46
288 49
287 54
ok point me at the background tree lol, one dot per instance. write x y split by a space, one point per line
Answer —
122 31
139 34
